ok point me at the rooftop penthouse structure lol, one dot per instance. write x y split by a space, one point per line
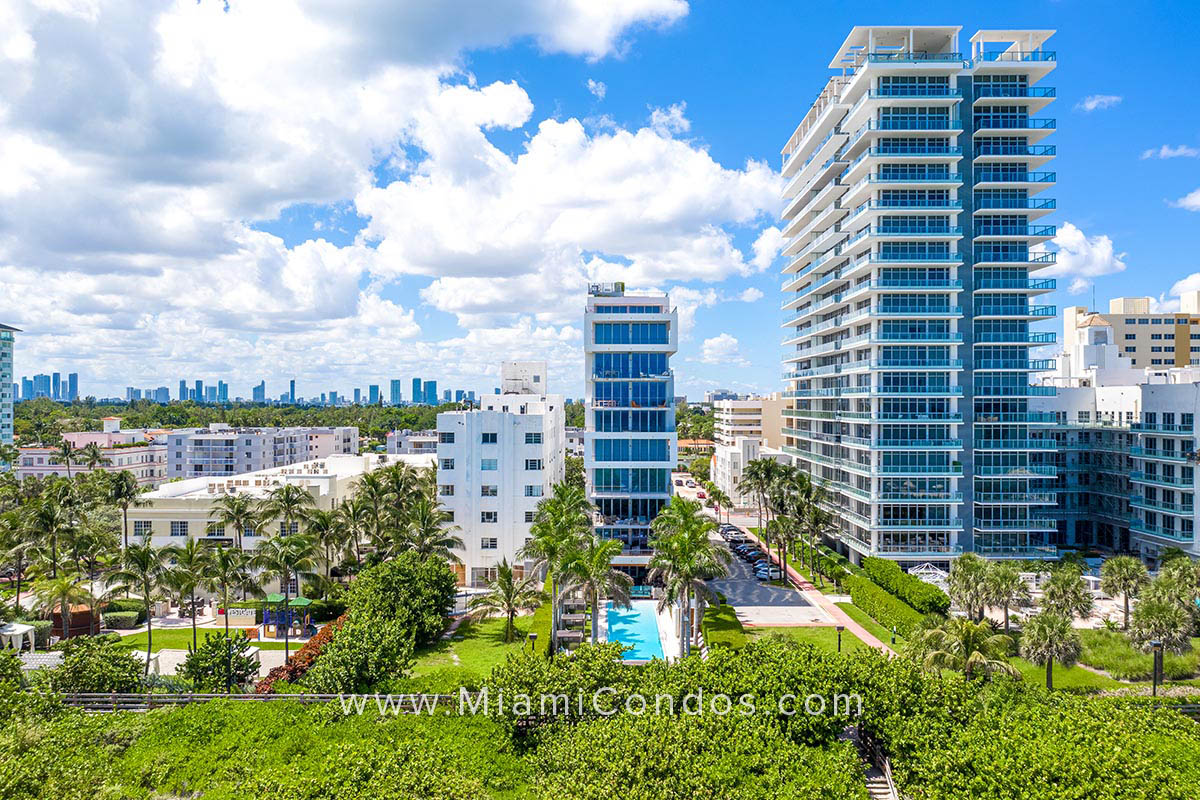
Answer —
914 205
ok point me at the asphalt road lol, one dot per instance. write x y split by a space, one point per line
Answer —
741 588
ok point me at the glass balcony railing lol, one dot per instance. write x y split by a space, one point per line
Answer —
917 311
1015 56
1031 204
1015 230
984 90
986 123
915 444
984 257
918 523
1033 365
1017 150
1161 505
919 336
1015 444
1014 311
1030 524
996 337
1163 455
915 91
917 363
1162 480
1140 526
1024 498
904 233
1161 427
1017 284
997 176
1017 551
1016 391
918 550
920 469
914 58
1027 471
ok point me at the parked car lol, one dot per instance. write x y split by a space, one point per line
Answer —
679 482
700 495
691 484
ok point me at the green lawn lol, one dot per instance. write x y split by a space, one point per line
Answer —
1073 678
181 639
824 637
874 628
722 627
474 648
1112 652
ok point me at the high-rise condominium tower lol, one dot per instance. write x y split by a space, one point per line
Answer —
913 206
630 443
6 383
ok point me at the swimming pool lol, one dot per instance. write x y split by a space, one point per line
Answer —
636 627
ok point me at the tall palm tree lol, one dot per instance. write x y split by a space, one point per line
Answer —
1125 576
124 492
354 516
1004 587
91 456
817 524
224 570
48 522
237 511
684 559
283 558
756 480
374 496
142 570
967 584
591 569
560 525
1048 637
1162 620
188 572
289 503
65 453
966 646
428 531
18 547
509 596
330 535
1064 593
61 593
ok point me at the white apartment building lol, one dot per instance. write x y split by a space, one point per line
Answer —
224 450
494 465
183 509
575 440
912 206
406 442
729 464
630 445
141 452
522 377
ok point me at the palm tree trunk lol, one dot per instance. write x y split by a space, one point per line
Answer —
17 601
595 616
124 527
228 643
1050 673
149 635
287 628
1126 596
193 620
1006 617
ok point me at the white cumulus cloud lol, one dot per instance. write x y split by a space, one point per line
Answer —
1167 151
722 350
1098 102
1190 201
597 88
1083 258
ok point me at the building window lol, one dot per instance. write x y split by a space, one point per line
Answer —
214 529
489 543
533 490
179 528
446 463
289 528
249 531
488 465
1156 336
142 527
533 438
446 490
446 437
488 491
533 463
489 438
529 515
489 516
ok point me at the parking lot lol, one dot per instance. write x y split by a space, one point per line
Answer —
759 603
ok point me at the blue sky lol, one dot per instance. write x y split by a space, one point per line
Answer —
740 74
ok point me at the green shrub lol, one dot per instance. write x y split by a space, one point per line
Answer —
96 664
327 610
41 631
216 658
121 620
10 667
886 609
1112 652
924 597
127 604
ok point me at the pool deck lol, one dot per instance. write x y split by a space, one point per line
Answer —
667 638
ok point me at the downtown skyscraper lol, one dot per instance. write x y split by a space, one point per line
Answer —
913 206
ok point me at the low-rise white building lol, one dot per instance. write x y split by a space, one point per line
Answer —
223 450
141 452
495 464
729 464
407 442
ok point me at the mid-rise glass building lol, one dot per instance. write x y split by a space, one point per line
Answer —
630 445
914 206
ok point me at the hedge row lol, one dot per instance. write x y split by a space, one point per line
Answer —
886 609
128 604
121 620
924 597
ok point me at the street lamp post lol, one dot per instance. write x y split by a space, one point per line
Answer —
840 628
1156 647
893 634
533 643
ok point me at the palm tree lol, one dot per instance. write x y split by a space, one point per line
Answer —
684 559
49 521
143 569
188 572
1048 637
1164 621
1065 594
124 492
1123 575
1004 587
286 557
225 569
757 477
721 500
354 516
329 534
509 596
560 525
65 453
92 456
18 547
817 523
973 648
590 569
61 593
428 531
967 584
237 511
289 503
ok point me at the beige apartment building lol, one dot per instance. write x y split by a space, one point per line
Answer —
1147 339
758 417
